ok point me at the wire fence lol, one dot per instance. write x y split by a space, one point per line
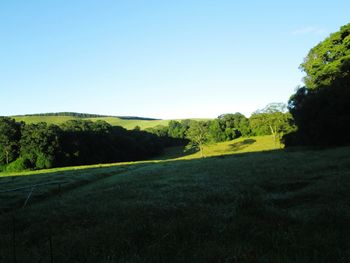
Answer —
32 189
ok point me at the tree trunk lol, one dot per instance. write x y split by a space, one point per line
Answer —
7 157
274 135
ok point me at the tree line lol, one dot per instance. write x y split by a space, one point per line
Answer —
320 108
81 142
75 142
271 120
85 115
67 114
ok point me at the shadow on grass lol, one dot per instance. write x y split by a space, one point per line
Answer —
175 152
14 189
241 145
61 181
205 216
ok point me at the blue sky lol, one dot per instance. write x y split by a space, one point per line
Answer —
163 59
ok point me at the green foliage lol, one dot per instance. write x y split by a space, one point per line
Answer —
321 115
137 128
40 144
329 60
159 130
237 123
198 135
10 134
321 108
216 133
228 127
162 132
259 125
176 129
66 114
21 164
272 120
87 142
44 161
75 142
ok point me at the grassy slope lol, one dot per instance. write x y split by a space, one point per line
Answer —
272 206
128 124
240 145
48 119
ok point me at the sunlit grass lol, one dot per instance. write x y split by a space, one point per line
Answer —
240 145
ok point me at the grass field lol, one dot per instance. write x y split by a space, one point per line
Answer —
115 121
240 145
244 202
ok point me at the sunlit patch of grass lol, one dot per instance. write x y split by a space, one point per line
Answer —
240 145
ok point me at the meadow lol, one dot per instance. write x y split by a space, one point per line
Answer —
246 201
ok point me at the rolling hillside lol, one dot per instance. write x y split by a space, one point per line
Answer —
244 202
128 123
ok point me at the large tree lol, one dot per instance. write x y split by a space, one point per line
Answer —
40 144
272 119
235 122
328 61
198 135
10 134
321 108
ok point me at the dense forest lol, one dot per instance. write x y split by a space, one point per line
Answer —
76 142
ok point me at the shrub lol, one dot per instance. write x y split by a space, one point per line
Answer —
19 165
43 162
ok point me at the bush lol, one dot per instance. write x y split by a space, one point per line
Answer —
43 162
20 164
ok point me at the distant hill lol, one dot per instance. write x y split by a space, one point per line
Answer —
84 115
128 122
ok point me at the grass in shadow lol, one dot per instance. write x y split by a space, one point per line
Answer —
201 210
175 152
239 146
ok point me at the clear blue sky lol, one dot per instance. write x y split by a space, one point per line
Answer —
164 59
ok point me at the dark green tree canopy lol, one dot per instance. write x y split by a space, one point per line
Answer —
76 142
329 60
40 144
10 134
321 108
198 135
